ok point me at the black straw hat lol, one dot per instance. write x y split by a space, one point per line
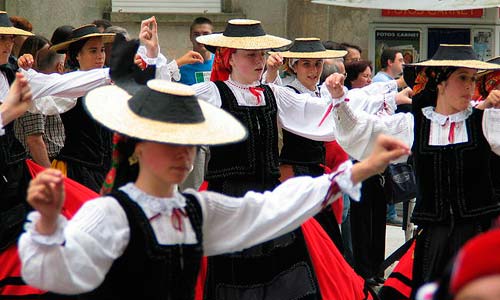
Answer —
83 32
310 48
6 26
459 56
243 34
163 112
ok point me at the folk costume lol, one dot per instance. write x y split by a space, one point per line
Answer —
283 267
457 194
155 244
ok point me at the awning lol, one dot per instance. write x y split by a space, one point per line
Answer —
414 4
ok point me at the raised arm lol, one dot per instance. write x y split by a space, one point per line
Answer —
234 224
16 102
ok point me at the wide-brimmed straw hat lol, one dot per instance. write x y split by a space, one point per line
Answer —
6 26
459 56
243 34
83 32
310 48
163 112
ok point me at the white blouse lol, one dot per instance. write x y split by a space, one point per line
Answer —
298 113
78 255
357 131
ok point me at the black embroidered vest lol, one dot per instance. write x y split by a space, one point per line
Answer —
299 150
455 182
87 142
148 270
255 159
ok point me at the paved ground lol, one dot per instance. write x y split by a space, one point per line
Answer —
395 237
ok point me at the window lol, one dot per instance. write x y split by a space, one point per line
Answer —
167 6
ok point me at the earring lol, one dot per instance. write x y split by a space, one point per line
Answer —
133 159
191 168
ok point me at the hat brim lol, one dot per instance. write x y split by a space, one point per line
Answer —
247 42
106 38
108 105
14 31
471 64
317 54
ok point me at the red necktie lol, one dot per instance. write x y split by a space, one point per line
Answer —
451 134
255 91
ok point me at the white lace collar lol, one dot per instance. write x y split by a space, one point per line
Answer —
154 204
241 85
432 115
302 89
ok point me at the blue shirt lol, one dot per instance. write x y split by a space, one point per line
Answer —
196 73
382 77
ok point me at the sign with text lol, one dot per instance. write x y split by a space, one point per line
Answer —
408 42
410 13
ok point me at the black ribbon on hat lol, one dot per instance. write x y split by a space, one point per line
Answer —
307 46
244 30
5 21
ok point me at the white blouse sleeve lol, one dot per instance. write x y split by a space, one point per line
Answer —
233 224
491 128
164 69
356 131
69 85
303 114
208 91
374 98
76 258
52 105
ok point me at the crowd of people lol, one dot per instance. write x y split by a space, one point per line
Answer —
251 167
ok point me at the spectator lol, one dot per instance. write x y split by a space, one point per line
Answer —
23 24
102 24
353 52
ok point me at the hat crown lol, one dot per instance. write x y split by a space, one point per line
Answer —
307 45
4 20
243 28
84 30
454 52
167 102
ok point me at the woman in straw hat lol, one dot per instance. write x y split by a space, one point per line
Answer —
301 156
269 268
453 146
145 240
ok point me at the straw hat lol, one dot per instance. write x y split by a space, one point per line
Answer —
83 32
243 34
6 26
310 48
459 56
164 112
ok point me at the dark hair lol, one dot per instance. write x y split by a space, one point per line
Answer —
428 96
61 34
387 54
73 50
102 23
21 23
125 172
346 45
331 45
200 21
353 69
33 44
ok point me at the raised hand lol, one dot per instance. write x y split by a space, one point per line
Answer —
46 195
335 85
149 36
189 57
385 150
274 62
493 100
404 97
18 100
26 61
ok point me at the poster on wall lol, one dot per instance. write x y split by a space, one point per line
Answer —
483 43
408 42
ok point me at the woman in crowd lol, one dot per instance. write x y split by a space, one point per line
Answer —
453 147
301 156
146 235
